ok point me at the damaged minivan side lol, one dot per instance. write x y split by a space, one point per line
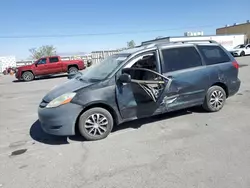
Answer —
140 82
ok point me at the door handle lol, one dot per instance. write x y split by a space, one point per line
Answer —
170 77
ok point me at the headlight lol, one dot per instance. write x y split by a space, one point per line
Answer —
63 99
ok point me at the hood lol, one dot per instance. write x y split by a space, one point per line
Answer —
69 86
234 49
25 67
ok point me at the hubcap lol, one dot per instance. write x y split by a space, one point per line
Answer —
26 76
216 99
73 71
96 124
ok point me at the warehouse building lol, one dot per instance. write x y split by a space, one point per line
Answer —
228 41
243 28
7 61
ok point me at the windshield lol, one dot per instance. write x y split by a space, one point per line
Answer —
240 46
102 69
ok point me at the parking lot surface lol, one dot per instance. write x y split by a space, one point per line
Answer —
189 148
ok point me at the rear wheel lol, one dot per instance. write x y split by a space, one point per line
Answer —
215 99
73 70
95 124
242 53
28 76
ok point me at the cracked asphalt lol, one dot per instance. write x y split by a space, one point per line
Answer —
188 148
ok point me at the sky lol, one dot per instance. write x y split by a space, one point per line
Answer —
88 25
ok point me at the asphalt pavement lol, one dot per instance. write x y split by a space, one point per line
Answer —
188 148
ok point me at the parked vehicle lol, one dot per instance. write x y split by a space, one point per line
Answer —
9 70
241 50
47 66
141 82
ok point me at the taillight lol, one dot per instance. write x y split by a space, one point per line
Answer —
236 64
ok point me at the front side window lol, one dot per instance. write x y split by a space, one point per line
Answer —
145 61
41 61
180 58
213 54
104 68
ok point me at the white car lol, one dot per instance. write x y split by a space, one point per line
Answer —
241 50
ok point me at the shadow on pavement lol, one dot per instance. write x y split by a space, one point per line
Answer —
243 65
39 135
43 78
136 124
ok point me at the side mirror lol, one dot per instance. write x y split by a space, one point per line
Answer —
124 78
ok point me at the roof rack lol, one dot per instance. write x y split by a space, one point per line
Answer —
152 44
169 42
186 41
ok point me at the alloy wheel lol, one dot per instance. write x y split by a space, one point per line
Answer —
217 99
96 124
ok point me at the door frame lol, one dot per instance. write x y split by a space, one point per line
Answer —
128 65
55 67
247 49
43 68
175 73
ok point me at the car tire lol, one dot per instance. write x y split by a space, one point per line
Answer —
73 70
215 99
28 76
242 53
89 127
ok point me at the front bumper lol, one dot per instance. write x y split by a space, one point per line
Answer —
18 75
235 54
60 120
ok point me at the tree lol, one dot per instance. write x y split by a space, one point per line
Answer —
46 50
131 44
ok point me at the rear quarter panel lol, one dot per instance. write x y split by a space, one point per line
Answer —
224 73
78 63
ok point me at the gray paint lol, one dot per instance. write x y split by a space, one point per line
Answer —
60 120
185 88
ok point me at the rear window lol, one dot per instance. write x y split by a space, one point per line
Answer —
53 59
213 54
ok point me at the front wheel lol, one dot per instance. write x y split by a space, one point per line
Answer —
28 76
242 53
215 99
95 124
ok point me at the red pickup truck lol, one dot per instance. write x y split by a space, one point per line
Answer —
47 66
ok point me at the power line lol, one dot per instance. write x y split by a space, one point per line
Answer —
99 34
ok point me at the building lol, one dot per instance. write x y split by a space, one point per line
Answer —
243 28
190 33
95 56
7 61
75 55
228 41
24 62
